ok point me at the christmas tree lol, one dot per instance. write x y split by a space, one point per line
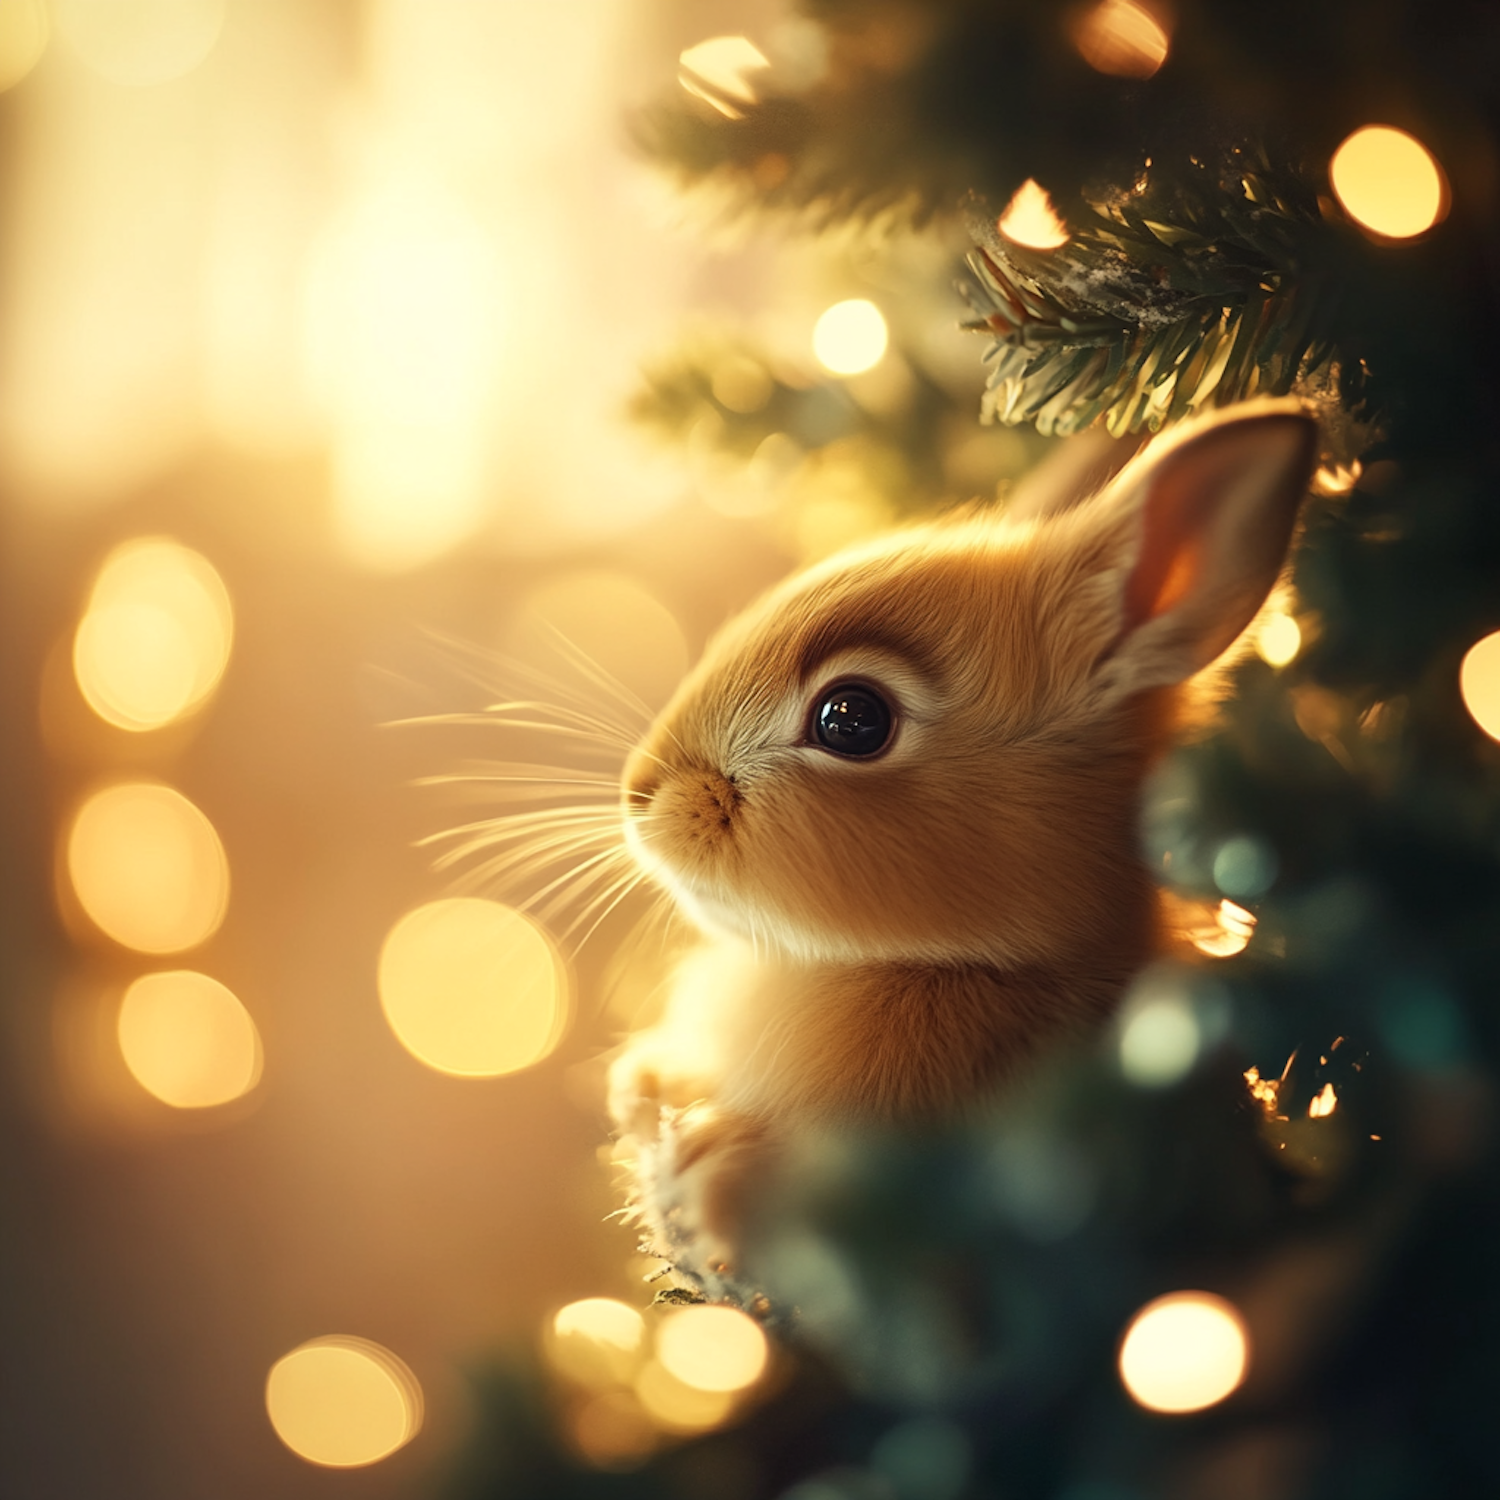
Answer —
1241 1246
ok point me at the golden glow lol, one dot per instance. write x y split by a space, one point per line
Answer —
612 622
155 638
1230 934
405 335
1183 1352
717 68
1278 639
1121 38
712 1348
343 1402
1265 1091
23 38
141 42
677 1406
850 337
1479 682
1388 181
597 1342
1030 219
187 1040
148 867
612 1431
1324 1102
472 987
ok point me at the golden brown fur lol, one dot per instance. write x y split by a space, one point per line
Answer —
892 937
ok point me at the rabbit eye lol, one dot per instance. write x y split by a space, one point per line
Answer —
852 719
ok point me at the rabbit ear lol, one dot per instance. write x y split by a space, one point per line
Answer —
1076 469
1200 528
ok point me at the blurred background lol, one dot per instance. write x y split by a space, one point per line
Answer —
321 419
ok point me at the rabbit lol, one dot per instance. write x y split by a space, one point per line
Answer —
898 798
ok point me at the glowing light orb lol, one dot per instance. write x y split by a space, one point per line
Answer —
1030 219
712 1348
473 988
1184 1352
1388 181
609 621
142 42
1245 866
1121 38
148 868
155 638
188 1040
597 1341
1278 639
343 1402
1479 682
23 39
718 67
1232 929
1159 1041
851 337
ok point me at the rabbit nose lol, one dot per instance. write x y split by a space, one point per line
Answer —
641 779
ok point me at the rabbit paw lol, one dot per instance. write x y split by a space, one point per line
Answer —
695 1179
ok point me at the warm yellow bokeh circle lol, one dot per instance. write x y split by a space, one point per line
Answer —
712 1348
188 1040
1479 682
155 637
343 1402
1184 1352
1388 181
473 987
851 337
147 867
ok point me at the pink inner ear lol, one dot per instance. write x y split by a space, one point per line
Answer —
1174 523
1215 522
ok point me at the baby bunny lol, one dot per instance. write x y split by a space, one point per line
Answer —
899 797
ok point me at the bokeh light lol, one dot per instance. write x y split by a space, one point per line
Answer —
612 1430
610 620
141 42
1030 219
406 331
1245 866
1159 1040
1479 682
1388 181
675 1405
712 1348
343 1402
1122 38
850 337
1229 932
1278 639
1184 1352
23 38
188 1040
597 1341
155 637
718 68
148 868
473 988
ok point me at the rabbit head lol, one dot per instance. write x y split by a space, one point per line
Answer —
929 749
